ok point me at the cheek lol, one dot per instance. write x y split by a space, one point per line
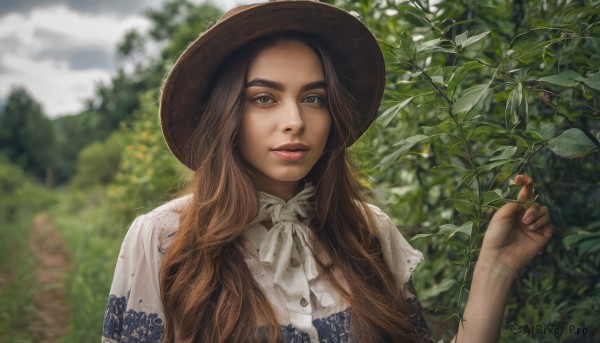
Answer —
325 129
254 125
248 128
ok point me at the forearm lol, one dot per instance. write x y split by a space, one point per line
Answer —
484 311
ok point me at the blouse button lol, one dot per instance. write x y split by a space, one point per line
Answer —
295 263
303 302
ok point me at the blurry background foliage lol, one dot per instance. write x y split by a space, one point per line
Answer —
477 91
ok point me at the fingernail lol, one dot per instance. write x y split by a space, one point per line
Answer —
527 219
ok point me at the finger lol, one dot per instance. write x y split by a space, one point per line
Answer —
533 213
547 230
540 222
526 192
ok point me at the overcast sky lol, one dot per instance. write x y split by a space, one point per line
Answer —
60 49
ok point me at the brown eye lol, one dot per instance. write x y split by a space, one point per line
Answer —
263 100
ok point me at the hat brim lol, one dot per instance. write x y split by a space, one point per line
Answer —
352 46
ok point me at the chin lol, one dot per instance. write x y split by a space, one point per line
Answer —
290 178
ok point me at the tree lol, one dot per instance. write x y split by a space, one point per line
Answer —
73 133
26 135
144 59
98 163
148 174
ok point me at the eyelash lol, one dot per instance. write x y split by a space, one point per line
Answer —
269 99
319 98
257 99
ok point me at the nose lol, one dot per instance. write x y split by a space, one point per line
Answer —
292 118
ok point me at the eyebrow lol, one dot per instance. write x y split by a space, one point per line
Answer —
279 86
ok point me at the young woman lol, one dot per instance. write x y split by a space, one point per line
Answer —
276 242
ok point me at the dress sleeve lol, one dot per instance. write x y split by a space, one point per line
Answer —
399 255
134 311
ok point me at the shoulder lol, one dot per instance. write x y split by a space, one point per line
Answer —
382 221
377 212
166 216
155 228
400 256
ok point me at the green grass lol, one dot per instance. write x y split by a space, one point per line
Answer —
17 279
84 221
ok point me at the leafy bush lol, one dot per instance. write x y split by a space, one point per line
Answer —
148 173
98 163
478 92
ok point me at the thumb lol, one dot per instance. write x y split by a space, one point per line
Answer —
508 210
526 192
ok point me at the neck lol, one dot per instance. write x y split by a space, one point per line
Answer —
282 189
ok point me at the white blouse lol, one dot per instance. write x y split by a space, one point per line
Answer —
279 258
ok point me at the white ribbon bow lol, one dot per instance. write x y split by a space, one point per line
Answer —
277 248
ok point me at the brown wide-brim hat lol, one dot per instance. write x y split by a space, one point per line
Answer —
351 45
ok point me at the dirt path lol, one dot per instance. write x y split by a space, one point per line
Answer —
52 265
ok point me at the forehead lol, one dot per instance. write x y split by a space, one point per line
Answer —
286 58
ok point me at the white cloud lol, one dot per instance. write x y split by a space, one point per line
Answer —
26 60
81 28
38 48
50 82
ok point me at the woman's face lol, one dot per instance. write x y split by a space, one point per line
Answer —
286 120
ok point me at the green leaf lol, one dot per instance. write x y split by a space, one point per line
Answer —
446 228
568 78
469 98
422 235
474 39
389 114
490 166
409 142
428 44
438 79
408 45
589 246
466 228
463 206
512 105
572 240
404 145
446 126
572 143
456 23
437 289
461 38
459 73
527 44
547 130
438 76
505 153
592 81
492 196
452 229
585 242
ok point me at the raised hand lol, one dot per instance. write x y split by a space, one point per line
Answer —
517 231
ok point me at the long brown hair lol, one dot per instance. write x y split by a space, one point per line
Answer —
208 292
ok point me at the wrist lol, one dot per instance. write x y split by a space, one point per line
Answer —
494 267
